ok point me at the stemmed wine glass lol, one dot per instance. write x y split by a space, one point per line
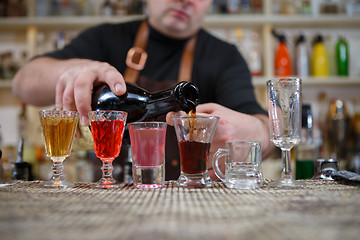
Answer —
107 130
58 129
284 100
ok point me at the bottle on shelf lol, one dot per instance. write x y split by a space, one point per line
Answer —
121 7
342 57
307 151
250 46
355 135
42 8
21 170
233 6
245 6
323 111
60 41
301 57
55 8
142 105
107 8
338 130
319 63
330 7
282 57
305 7
68 8
288 7
256 6
16 8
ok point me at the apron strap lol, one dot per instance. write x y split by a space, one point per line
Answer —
136 56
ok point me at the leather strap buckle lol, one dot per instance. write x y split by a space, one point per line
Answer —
136 58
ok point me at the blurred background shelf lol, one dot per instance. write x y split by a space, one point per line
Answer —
212 20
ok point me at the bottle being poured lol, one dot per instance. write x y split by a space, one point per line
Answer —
142 105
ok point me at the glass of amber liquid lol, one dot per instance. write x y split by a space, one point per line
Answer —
58 129
194 135
107 130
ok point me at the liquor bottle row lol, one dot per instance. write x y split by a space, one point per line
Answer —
303 55
310 59
315 7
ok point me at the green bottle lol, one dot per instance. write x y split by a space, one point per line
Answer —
342 57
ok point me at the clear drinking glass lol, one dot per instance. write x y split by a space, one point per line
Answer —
107 130
284 100
194 135
58 129
242 164
148 153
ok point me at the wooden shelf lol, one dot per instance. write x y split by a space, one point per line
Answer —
5 83
214 20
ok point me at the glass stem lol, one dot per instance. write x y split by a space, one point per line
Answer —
286 161
58 168
107 169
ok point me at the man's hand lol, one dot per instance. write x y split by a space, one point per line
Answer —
75 85
67 83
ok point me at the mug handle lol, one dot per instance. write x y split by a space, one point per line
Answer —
221 152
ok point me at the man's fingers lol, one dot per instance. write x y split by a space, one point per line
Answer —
112 77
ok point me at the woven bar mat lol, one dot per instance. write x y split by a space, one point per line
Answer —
322 210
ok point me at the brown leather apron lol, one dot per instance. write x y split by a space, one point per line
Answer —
135 61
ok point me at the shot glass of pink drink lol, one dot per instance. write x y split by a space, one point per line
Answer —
148 152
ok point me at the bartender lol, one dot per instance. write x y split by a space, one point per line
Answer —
169 38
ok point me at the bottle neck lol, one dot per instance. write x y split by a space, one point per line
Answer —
183 97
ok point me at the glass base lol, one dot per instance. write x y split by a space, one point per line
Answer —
106 184
148 186
56 184
286 183
194 180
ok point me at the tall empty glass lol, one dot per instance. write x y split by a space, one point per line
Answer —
284 100
194 135
58 129
107 130
148 153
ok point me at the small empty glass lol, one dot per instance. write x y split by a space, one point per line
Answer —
242 165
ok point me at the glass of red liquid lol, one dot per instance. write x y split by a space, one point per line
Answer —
107 130
194 135
148 153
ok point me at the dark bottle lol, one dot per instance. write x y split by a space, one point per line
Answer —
307 150
142 105
22 170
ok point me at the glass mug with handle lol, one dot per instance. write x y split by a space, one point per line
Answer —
242 165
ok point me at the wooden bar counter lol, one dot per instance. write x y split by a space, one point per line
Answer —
322 210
